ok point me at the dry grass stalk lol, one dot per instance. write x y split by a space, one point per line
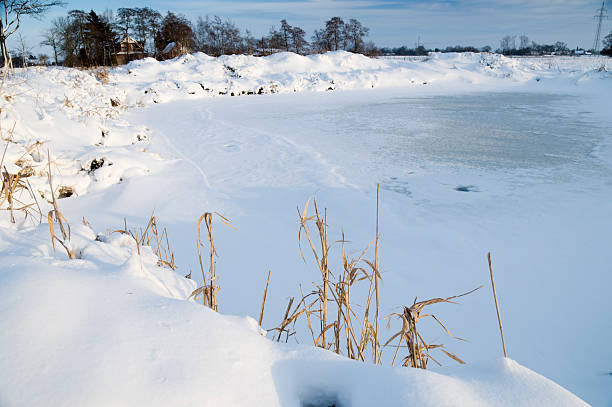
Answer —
330 301
418 349
101 74
285 323
132 233
322 260
336 290
209 288
291 316
151 236
352 273
501 330
263 302
376 275
55 215
9 136
15 189
34 150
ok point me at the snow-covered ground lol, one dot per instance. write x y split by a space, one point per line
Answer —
474 153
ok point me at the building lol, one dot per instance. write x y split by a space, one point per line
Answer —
129 50
173 50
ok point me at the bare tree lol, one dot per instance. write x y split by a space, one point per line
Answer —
125 19
370 49
508 43
77 23
334 30
524 42
14 11
275 40
217 37
288 38
146 20
67 40
561 48
355 32
285 34
24 50
319 42
52 37
297 40
607 41
264 45
249 43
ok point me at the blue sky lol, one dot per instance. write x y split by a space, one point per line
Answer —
392 22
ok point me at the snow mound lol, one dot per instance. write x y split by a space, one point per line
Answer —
196 75
113 328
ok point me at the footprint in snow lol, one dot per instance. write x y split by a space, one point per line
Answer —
231 148
466 188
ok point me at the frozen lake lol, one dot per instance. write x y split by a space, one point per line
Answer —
486 132
521 174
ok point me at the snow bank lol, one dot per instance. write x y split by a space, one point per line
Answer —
195 75
112 328
76 117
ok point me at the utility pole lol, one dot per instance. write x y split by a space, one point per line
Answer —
602 15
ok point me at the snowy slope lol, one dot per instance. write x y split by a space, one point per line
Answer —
111 319
112 328
149 81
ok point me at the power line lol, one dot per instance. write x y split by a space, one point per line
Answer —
602 15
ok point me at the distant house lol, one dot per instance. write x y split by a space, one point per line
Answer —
173 50
129 50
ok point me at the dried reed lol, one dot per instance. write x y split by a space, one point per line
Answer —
209 288
263 302
15 189
501 330
151 236
330 300
55 215
418 348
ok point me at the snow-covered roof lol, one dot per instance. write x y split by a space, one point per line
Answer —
128 40
169 47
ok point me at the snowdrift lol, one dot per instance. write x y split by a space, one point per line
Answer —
199 74
112 328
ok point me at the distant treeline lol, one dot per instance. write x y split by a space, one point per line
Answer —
89 38
508 46
96 39
421 50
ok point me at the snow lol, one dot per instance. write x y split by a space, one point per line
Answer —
112 328
528 138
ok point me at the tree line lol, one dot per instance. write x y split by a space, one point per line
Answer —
523 47
510 45
90 39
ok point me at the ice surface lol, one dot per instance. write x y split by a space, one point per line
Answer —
538 199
